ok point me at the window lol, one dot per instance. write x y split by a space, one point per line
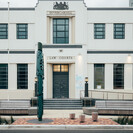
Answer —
119 31
22 31
60 30
118 76
3 31
99 31
3 76
22 76
60 68
99 76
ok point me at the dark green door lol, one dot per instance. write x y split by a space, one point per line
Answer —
60 81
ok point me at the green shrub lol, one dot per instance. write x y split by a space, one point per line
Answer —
12 120
125 120
6 121
0 120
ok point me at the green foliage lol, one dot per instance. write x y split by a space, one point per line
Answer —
125 120
0 120
12 120
6 121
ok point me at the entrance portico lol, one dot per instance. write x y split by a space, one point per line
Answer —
61 80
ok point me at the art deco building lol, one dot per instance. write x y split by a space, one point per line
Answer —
78 42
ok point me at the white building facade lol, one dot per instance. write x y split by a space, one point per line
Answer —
78 42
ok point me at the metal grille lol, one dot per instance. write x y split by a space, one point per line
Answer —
99 31
99 76
3 76
119 31
118 76
22 76
60 30
3 31
22 31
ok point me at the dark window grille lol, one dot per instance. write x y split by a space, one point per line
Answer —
118 76
3 31
119 31
99 76
60 30
22 31
22 76
99 31
3 76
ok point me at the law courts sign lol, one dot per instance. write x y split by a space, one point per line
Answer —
61 58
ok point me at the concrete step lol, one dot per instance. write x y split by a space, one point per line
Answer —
62 104
63 108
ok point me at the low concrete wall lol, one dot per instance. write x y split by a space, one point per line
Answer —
16 94
88 111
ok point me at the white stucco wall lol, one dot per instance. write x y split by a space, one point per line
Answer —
83 34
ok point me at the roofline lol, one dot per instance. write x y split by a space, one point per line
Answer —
16 9
110 8
60 0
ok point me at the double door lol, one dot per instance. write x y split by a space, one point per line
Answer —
61 81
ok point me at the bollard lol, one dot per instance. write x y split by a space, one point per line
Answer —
94 116
72 116
82 118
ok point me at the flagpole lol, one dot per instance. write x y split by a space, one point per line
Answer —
8 46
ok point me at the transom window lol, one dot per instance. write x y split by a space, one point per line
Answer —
22 31
119 31
99 31
3 31
3 76
118 76
99 76
60 68
60 30
22 76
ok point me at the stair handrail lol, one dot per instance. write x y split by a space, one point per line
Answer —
105 94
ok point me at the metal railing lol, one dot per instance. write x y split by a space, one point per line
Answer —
106 95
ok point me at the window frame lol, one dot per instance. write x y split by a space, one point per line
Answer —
18 31
5 76
117 31
96 31
123 74
6 30
66 31
19 80
95 82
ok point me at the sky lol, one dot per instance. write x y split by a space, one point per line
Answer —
89 3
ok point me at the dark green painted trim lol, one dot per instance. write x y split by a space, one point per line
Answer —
62 46
109 52
22 52
17 9
101 9
3 52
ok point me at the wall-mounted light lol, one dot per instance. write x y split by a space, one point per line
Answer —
36 79
129 58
